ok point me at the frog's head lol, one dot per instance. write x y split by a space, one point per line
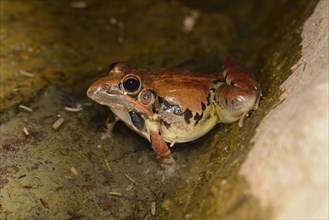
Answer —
122 89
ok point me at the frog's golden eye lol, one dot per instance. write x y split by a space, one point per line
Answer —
146 97
131 84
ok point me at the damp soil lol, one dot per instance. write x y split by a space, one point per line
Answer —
71 172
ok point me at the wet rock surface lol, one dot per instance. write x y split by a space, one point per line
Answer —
288 165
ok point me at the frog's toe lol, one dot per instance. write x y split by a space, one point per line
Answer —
168 166
167 160
107 136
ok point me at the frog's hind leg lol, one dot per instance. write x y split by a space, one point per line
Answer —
237 94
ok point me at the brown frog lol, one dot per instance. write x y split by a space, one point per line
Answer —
174 105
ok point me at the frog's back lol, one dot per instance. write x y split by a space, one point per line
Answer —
182 87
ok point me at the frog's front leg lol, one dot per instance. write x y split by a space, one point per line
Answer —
238 93
110 122
159 145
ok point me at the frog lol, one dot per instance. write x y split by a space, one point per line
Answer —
173 105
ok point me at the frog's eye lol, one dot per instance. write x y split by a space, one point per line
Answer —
131 84
146 97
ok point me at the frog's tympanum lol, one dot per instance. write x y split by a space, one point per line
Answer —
174 105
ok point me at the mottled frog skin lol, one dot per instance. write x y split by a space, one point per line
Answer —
174 105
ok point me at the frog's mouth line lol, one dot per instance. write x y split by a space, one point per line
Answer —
119 101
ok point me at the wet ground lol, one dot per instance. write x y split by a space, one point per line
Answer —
51 51
71 172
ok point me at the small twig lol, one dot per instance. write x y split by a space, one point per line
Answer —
25 73
107 164
58 123
74 171
44 203
27 133
69 109
130 187
129 178
153 208
28 109
115 194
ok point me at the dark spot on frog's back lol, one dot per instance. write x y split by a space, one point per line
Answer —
137 120
208 99
197 117
203 106
187 115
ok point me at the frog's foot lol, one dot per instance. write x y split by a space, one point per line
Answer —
107 136
159 146
167 161
108 128
238 93
168 167
246 114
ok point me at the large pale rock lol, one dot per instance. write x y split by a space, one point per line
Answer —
287 169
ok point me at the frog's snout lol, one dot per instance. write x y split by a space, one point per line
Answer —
100 89
97 87
92 92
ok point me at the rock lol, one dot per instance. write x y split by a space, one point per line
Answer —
287 169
